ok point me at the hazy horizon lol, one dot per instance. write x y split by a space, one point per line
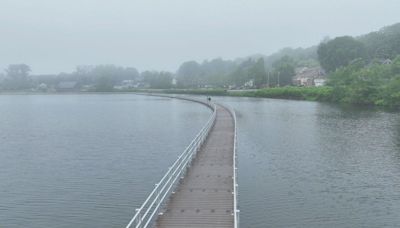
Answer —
55 37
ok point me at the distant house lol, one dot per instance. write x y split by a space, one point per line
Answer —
67 86
126 84
42 87
249 84
387 62
87 88
305 76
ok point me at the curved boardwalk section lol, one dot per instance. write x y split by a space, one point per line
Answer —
205 198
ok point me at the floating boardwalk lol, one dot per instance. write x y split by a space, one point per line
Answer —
204 198
199 189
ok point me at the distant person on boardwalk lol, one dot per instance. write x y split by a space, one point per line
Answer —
209 99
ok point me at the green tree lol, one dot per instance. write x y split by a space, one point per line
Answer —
158 80
216 71
383 44
284 70
190 74
391 90
257 73
17 77
104 83
242 73
104 77
377 84
306 57
339 52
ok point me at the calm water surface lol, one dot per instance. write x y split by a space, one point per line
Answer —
87 160
307 164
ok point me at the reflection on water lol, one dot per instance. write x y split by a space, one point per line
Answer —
306 164
87 160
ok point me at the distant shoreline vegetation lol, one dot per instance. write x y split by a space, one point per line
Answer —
319 94
293 93
362 70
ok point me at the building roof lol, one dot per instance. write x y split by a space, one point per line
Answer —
310 73
387 62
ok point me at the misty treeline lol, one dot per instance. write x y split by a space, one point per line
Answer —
372 50
360 69
93 78
215 73
259 71
365 69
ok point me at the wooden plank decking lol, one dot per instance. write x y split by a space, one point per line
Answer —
204 197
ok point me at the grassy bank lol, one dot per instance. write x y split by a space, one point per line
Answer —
294 93
389 97
207 92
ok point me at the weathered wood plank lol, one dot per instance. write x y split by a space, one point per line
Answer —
204 197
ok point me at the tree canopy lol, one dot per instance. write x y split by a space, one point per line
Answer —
284 70
158 80
214 73
17 77
383 44
339 52
377 84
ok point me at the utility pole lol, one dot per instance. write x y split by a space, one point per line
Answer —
279 74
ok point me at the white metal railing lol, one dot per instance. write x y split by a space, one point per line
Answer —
236 210
148 212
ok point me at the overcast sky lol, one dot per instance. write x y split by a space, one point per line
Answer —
56 35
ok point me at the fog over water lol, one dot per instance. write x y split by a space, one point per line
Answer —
54 36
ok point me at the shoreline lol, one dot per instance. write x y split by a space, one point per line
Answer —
313 94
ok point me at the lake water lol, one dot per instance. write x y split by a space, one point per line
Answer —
308 164
89 160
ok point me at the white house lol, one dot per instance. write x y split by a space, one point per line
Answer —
305 76
249 84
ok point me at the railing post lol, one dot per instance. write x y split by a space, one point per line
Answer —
157 193
139 219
